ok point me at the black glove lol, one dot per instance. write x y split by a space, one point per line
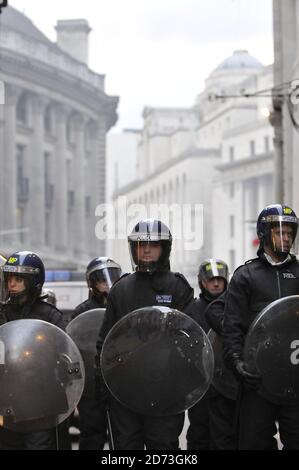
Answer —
250 381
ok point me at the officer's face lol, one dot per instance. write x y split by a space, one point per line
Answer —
214 286
15 284
148 252
102 286
282 238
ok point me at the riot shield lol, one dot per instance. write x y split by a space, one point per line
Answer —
272 350
41 375
223 380
157 361
84 330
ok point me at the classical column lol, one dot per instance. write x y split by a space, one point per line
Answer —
8 167
79 186
99 175
60 180
37 174
2 162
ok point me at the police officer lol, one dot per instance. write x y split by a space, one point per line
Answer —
101 273
270 276
24 276
212 280
152 283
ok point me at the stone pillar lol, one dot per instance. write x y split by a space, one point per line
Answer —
60 181
37 175
79 186
9 168
99 176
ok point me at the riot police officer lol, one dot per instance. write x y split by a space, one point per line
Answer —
152 283
212 280
254 285
101 273
23 278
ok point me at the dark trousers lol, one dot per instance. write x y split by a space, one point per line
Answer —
198 433
257 419
38 440
222 421
133 431
92 424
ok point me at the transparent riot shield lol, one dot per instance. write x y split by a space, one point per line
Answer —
223 379
84 330
41 375
272 350
157 361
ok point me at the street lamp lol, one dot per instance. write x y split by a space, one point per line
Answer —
3 3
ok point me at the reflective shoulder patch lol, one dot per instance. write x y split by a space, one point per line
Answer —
164 299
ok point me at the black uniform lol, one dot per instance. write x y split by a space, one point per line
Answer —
221 409
90 304
92 415
133 430
198 433
39 440
254 286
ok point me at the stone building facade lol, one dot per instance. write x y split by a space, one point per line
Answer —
53 128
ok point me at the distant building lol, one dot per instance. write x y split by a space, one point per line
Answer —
53 129
219 153
286 116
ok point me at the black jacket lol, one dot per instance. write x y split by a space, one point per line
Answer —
214 313
89 304
139 290
37 310
197 309
254 286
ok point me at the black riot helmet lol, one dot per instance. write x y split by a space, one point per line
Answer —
209 269
276 216
29 266
102 269
150 231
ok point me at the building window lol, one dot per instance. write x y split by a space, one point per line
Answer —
252 148
70 200
49 188
21 111
232 260
87 205
232 225
267 143
232 190
22 182
48 120
231 154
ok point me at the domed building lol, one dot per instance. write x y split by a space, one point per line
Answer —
207 170
53 128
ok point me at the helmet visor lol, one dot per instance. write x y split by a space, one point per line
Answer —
145 255
213 268
282 236
106 275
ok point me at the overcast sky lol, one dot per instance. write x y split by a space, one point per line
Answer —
159 52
